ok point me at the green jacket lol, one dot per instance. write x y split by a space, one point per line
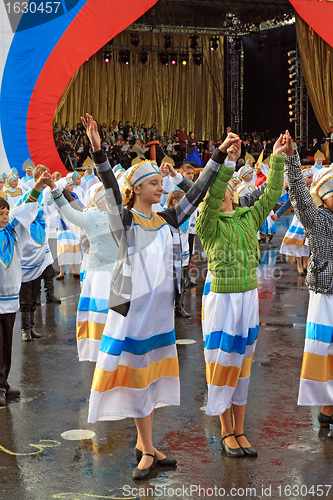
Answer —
231 243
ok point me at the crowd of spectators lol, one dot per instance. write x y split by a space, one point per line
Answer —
124 142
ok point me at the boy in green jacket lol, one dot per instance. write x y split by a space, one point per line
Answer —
230 319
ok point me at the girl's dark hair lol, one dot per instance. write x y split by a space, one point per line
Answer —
4 203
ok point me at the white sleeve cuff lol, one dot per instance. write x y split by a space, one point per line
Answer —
177 179
229 163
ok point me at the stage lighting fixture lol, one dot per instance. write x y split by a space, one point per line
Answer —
143 57
291 53
107 56
135 40
291 69
292 82
260 45
291 91
164 58
213 43
293 120
124 56
173 59
184 59
167 41
292 60
238 44
292 75
197 59
194 41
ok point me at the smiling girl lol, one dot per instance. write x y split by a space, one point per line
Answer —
137 366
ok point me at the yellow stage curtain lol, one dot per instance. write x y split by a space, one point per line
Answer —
170 96
317 65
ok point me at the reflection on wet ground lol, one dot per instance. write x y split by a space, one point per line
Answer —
295 456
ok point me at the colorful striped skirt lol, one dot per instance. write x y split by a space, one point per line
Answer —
230 323
294 242
316 384
92 313
68 248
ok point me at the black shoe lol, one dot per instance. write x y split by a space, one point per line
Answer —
250 450
301 273
181 313
231 452
13 393
3 397
325 420
139 474
34 335
52 299
164 462
26 335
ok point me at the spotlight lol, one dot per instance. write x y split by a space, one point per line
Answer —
167 41
292 60
143 57
197 57
173 59
291 75
291 91
292 120
124 56
194 41
135 40
238 44
292 82
164 58
184 59
292 68
213 42
260 45
107 56
292 53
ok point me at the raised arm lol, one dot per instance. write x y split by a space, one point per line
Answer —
197 192
116 214
299 193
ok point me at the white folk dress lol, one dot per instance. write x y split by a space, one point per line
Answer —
137 366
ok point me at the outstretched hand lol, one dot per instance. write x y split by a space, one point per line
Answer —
234 151
284 144
167 169
229 141
43 180
92 132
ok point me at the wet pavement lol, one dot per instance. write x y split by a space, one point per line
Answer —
295 458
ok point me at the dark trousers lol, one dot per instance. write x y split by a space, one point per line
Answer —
331 152
28 295
6 339
191 243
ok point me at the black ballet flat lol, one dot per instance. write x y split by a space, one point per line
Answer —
164 462
231 452
325 420
139 474
250 451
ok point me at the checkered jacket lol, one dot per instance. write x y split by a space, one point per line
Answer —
122 226
318 225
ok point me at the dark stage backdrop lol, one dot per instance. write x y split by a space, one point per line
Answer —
266 82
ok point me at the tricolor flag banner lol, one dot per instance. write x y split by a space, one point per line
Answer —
318 14
43 44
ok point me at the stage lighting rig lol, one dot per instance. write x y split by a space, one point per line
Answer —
197 58
124 56
135 39
164 58
167 41
107 55
194 41
184 59
213 43
144 57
